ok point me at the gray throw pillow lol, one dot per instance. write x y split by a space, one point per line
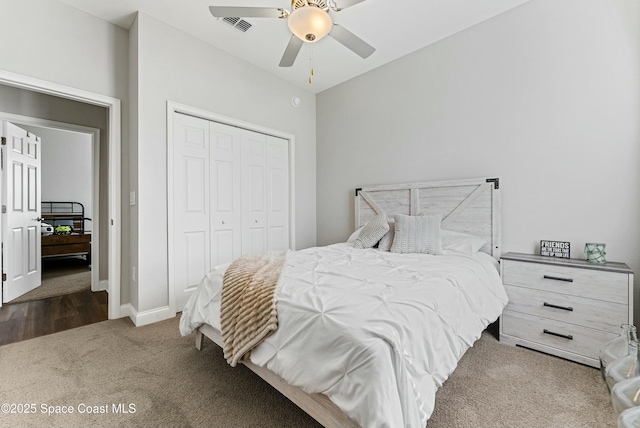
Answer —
417 234
372 232
387 240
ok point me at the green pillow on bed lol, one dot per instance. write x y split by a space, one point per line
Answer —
63 230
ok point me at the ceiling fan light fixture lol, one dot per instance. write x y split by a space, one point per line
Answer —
310 23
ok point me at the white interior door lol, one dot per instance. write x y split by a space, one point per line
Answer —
21 223
191 205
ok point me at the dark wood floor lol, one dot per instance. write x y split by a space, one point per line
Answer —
22 321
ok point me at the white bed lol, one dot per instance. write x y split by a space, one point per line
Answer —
366 337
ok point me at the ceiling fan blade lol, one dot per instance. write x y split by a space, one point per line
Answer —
343 4
245 12
351 41
291 52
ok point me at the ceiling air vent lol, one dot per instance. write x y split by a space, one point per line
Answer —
238 23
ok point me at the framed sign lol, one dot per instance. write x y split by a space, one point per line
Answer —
555 249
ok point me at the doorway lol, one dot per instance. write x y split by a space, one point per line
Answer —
68 177
112 181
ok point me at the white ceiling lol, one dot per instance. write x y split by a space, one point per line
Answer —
394 28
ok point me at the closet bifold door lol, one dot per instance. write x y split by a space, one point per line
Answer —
231 197
190 204
277 193
265 193
254 192
225 185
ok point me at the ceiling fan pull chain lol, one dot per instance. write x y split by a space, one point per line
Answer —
312 70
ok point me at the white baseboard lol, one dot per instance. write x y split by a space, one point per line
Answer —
127 310
146 317
103 285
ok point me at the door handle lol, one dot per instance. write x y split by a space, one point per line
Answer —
38 219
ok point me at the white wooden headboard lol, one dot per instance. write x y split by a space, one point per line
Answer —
470 206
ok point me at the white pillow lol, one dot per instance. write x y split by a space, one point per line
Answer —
461 242
354 235
372 232
387 240
417 234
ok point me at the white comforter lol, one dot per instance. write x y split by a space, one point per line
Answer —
377 332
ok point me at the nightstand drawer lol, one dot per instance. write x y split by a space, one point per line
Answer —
591 283
598 314
578 340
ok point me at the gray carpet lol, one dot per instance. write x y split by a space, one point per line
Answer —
170 384
60 276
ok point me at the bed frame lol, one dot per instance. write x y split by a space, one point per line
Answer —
471 206
65 213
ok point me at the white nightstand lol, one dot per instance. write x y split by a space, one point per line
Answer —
564 307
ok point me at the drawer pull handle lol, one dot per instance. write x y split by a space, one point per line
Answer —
564 336
566 308
557 278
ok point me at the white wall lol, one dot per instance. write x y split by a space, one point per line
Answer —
172 65
54 42
546 95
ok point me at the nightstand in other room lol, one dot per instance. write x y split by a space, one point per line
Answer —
564 307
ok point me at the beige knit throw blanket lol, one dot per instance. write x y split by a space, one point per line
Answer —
248 306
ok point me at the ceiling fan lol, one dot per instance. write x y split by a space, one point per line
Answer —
309 21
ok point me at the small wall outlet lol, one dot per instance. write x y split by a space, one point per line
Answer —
132 198
133 273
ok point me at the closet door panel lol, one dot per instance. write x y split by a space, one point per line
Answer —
254 191
195 184
226 204
277 193
195 254
191 204
222 246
